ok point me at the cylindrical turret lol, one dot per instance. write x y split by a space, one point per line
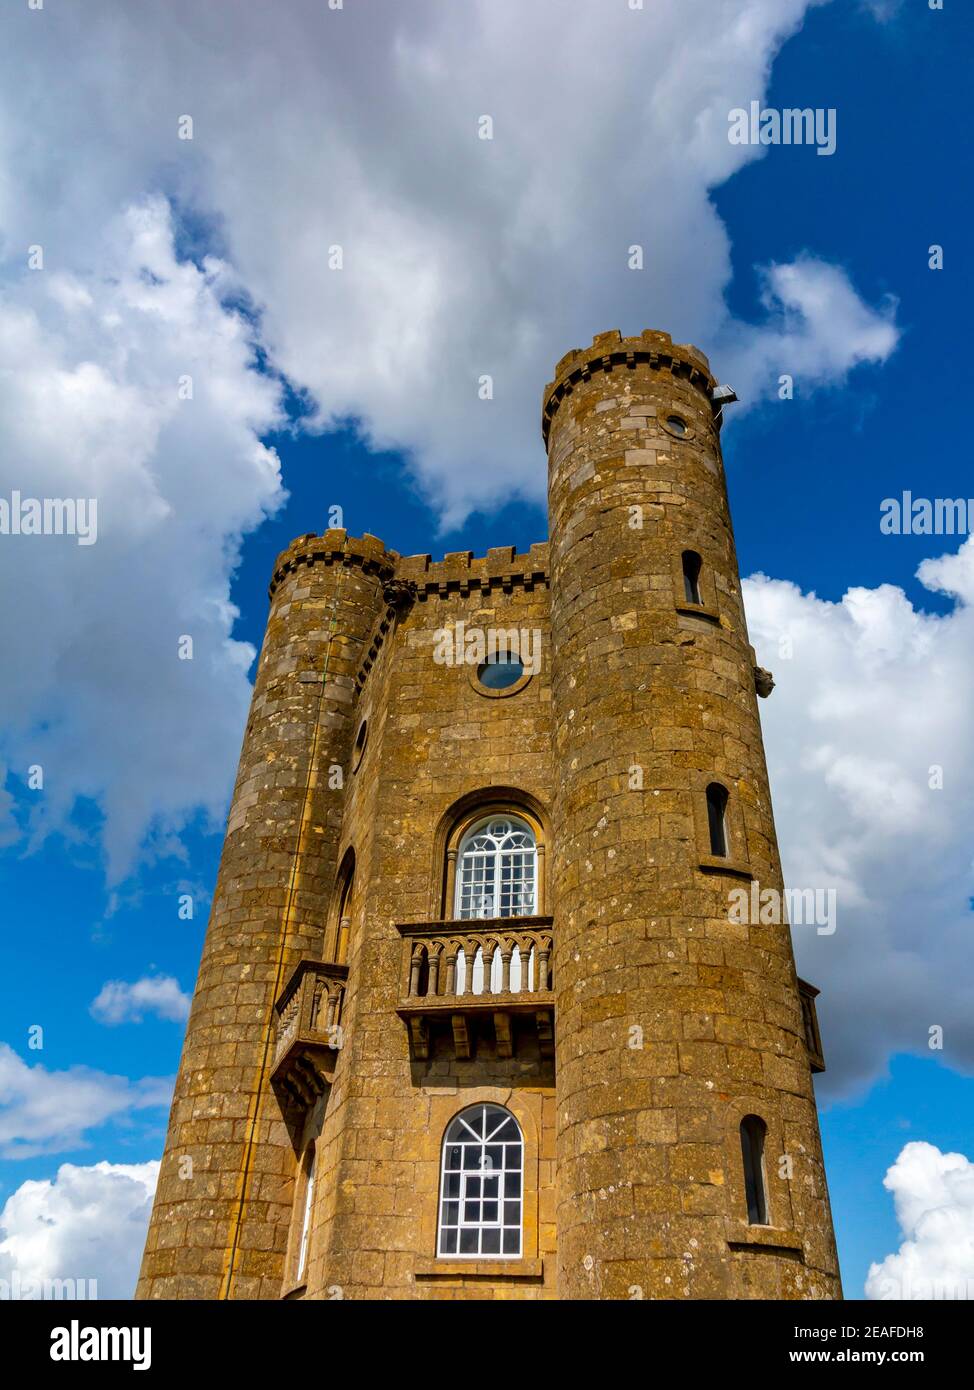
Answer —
223 1205
680 1040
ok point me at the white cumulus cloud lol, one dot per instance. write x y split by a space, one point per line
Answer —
90 393
933 1194
314 129
86 1224
871 754
817 329
44 1111
120 1001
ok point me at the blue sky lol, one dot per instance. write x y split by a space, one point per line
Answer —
83 906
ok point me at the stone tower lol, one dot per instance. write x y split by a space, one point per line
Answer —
475 1018
225 1188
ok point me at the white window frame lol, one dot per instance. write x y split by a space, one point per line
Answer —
481 1181
494 863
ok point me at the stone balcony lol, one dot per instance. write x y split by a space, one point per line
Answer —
309 1031
478 978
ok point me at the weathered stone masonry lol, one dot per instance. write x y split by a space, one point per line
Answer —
327 1017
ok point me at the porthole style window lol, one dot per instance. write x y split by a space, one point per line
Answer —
497 870
501 673
677 425
481 1185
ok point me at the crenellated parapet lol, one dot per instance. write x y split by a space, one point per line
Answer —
611 351
463 573
334 547
458 572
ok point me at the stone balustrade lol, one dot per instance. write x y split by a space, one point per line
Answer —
478 976
309 1029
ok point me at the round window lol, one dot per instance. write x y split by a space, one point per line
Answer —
676 425
500 673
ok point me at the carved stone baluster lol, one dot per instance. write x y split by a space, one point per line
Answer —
542 962
451 971
313 985
415 966
434 961
506 954
332 1008
488 949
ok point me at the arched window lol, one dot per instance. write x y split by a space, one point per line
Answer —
309 1193
691 576
481 1185
344 919
497 869
717 819
341 910
753 1131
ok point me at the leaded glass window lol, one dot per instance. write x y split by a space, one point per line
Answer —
481 1185
497 869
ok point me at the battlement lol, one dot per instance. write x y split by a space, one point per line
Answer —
335 547
419 578
460 572
611 350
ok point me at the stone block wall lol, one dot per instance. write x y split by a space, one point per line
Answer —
434 740
223 1205
672 1021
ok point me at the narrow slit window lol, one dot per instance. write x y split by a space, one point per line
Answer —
344 925
753 1131
717 819
692 565
309 1193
